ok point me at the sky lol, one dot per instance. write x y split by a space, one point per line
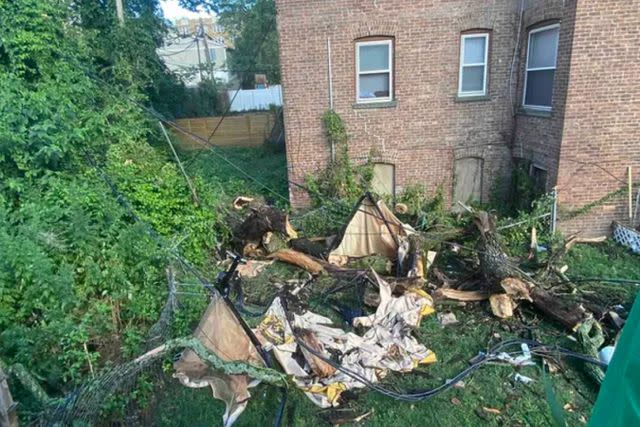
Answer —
172 10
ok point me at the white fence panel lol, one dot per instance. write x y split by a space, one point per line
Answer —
256 99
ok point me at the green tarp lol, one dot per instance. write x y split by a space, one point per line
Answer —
618 403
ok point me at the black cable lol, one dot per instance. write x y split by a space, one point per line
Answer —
196 137
490 356
603 279
210 147
165 55
281 407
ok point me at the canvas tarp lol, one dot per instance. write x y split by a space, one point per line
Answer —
372 230
221 332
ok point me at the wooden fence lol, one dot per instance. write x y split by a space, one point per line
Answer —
244 130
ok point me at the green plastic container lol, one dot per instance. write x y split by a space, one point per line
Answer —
618 403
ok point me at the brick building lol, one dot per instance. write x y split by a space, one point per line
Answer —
448 93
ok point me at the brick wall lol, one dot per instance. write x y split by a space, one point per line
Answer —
601 135
585 142
428 129
538 135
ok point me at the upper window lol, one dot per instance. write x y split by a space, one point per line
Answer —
474 51
541 67
374 67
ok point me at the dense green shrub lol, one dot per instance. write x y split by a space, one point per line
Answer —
76 270
158 191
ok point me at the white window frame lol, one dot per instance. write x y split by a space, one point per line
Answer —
527 69
389 44
482 92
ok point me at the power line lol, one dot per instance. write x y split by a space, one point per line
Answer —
258 47
207 144
189 46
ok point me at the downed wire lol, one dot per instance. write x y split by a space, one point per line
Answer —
492 355
604 280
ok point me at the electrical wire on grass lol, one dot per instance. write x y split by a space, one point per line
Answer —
207 284
602 280
411 397
492 356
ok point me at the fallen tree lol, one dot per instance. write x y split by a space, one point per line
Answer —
505 282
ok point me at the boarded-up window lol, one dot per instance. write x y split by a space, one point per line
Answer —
539 177
383 182
468 180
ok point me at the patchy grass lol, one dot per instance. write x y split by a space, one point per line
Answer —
609 260
492 386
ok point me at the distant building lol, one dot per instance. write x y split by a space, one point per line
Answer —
196 50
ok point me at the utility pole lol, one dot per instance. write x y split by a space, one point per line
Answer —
199 59
120 11
206 49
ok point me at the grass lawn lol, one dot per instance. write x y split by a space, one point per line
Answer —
492 386
608 260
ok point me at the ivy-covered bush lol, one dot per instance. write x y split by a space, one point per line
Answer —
341 179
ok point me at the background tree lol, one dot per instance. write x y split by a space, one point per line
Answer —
127 55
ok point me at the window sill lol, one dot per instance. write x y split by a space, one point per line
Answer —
373 105
476 98
523 111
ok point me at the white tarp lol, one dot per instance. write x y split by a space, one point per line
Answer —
387 345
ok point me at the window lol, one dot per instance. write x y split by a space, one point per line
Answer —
374 64
539 177
212 54
541 67
474 51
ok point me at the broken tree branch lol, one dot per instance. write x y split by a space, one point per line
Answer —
569 315
299 259
461 295
575 240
